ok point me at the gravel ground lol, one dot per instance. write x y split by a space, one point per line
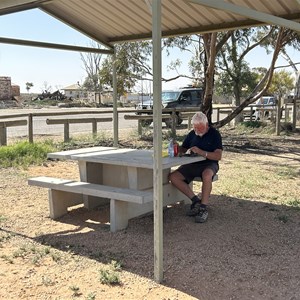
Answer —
248 249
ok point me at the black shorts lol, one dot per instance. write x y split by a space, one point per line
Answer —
193 170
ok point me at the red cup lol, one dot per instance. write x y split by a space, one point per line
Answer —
176 148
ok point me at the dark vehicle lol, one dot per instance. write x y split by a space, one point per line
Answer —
180 98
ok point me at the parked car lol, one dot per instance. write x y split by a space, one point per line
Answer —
264 107
177 98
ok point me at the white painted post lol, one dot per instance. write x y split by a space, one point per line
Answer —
157 138
115 102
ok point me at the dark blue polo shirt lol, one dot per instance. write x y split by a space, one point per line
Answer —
209 142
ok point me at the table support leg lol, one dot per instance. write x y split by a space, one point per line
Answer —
59 202
91 172
118 215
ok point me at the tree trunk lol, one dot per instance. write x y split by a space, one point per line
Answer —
210 50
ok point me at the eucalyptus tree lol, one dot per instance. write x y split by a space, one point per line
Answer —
204 49
225 53
282 83
235 76
132 64
276 42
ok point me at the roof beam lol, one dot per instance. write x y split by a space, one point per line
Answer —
54 46
248 12
13 6
201 29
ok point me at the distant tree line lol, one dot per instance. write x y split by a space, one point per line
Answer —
218 64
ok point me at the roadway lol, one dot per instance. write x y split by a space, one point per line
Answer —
41 128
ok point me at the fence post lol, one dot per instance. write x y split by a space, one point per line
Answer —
140 127
30 128
174 123
3 135
94 124
278 116
286 113
294 114
189 122
251 113
66 131
218 114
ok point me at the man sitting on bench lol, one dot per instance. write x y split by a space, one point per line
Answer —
205 141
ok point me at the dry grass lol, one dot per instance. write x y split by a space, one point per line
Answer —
248 249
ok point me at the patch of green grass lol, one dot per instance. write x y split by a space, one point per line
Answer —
283 218
75 290
2 218
255 127
35 254
7 258
5 237
24 154
109 277
56 257
251 124
116 265
295 203
47 281
287 172
91 296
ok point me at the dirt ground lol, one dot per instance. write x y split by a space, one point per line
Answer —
248 248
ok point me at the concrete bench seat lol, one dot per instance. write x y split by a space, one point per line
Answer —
65 193
125 203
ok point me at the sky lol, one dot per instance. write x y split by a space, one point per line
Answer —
60 68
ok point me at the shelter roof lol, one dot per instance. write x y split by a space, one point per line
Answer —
111 21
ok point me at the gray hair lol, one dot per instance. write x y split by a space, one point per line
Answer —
199 118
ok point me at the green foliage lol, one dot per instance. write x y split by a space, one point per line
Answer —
75 290
282 83
29 85
295 203
235 77
43 102
109 277
241 80
287 172
2 218
24 154
251 124
283 218
131 64
91 296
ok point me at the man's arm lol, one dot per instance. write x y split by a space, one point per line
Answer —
181 150
215 155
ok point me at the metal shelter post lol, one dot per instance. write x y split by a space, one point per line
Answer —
157 141
115 102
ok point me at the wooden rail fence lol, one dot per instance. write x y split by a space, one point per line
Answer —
3 129
67 122
166 114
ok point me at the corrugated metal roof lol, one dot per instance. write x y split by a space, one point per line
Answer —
110 21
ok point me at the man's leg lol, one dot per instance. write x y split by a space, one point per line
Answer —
178 180
207 176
